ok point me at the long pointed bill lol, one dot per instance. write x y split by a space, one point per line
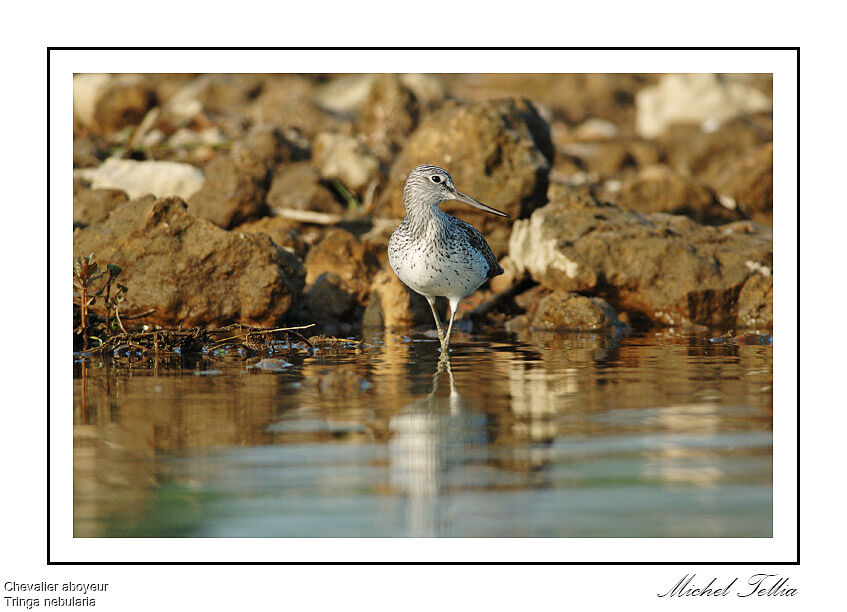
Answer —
461 197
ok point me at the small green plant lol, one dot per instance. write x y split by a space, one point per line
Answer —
86 274
349 198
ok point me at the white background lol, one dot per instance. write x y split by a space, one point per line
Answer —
22 434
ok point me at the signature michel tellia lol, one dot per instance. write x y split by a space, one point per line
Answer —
757 585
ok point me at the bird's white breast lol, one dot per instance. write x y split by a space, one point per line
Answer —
433 268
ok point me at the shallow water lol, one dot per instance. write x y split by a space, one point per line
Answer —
654 434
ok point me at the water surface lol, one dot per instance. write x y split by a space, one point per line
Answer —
653 434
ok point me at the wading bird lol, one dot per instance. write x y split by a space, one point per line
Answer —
436 254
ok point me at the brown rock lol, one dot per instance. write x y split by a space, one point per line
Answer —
392 304
749 182
299 186
755 303
529 300
691 151
165 85
573 97
665 267
234 190
282 231
608 158
329 297
388 116
287 101
509 277
338 251
595 129
697 99
121 105
228 94
268 142
563 310
94 205
495 152
517 323
660 189
346 159
88 152
190 271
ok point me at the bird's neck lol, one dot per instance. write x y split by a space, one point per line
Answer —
424 214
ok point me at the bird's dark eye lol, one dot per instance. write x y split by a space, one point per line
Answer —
436 179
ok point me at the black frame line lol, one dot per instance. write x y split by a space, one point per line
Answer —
49 561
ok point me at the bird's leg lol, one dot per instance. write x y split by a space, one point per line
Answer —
445 344
437 320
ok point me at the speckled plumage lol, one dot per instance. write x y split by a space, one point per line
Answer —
436 254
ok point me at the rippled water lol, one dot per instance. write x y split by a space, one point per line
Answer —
652 434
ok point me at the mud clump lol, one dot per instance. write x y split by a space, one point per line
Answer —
190 272
563 310
234 190
298 186
339 252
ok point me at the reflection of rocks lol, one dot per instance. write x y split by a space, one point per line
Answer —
190 271
337 383
668 268
499 152
123 427
536 399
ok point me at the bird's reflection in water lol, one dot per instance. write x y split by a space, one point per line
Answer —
433 436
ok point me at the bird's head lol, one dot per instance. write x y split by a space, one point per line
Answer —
430 185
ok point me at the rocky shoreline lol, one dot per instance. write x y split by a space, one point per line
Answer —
268 200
